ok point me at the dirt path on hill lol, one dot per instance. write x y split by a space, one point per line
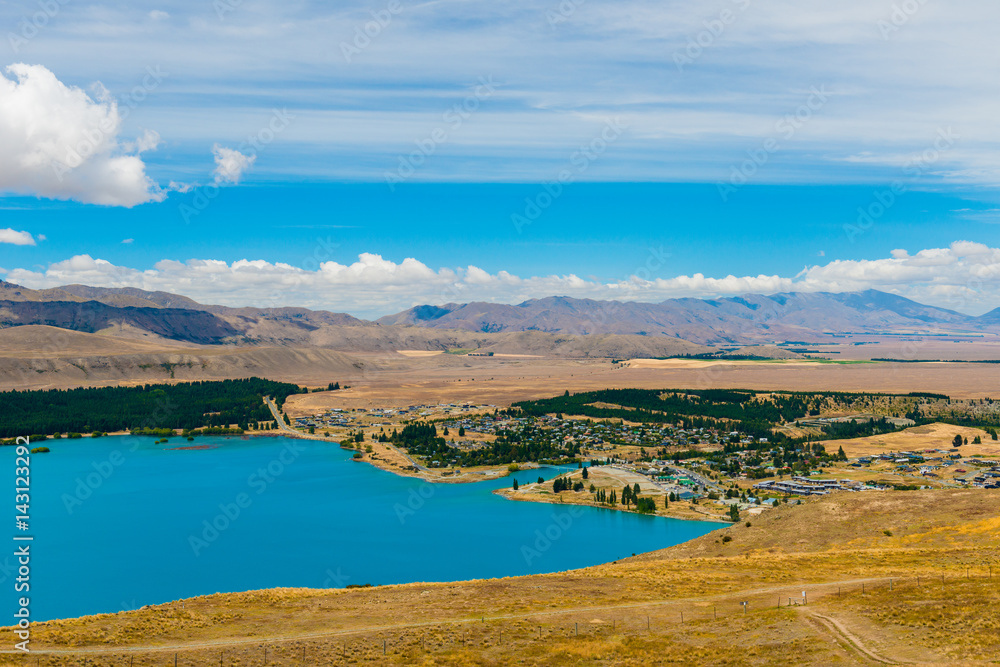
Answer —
759 598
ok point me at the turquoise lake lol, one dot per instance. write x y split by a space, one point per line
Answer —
120 522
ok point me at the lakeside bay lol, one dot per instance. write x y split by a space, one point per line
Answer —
123 522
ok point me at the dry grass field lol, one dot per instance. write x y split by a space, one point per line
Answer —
501 381
44 357
888 577
918 439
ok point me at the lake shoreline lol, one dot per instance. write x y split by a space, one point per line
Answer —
572 498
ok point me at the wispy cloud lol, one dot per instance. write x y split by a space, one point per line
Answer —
604 60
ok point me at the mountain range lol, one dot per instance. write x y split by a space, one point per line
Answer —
539 325
743 320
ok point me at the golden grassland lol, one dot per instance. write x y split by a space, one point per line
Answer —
918 439
889 577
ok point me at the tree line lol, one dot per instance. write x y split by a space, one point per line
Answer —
187 406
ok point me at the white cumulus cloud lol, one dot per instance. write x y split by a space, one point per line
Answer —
964 276
59 142
15 237
230 164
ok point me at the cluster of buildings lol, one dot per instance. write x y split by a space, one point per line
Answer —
594 435
807 486
357 418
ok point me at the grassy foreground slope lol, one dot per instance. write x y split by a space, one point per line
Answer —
682 605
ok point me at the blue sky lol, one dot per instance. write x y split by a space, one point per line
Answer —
690 149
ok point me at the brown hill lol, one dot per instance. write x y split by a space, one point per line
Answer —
90 316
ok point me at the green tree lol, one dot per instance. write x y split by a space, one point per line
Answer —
586 475
957 441
734 513
461 431
515 484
